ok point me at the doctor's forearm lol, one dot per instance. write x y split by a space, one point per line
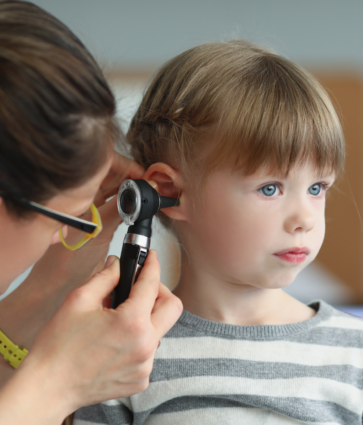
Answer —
31 397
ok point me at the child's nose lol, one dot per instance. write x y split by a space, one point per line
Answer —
301 219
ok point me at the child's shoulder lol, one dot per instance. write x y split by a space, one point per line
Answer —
337 318
336 329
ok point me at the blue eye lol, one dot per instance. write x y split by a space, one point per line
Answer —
269 190
315 189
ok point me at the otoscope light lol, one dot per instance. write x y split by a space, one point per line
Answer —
129 202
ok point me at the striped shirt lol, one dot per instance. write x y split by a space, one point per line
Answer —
207 372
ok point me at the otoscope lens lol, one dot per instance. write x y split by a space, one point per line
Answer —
128 201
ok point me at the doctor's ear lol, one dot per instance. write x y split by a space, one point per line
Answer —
170 183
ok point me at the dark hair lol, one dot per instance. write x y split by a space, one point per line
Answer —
57 112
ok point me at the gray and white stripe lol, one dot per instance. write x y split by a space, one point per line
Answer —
213 373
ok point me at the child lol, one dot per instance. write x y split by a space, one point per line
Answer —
250 143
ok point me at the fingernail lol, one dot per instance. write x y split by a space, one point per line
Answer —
154 251
110 260
153 184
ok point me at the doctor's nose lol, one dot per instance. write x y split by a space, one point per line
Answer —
301 219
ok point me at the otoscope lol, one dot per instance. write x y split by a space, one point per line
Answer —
137 203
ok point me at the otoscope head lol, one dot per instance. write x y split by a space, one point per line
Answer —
138 201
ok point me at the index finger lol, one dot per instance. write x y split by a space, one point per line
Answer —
167 311
126 167
121 168
145 290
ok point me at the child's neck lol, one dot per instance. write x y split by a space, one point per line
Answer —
207 296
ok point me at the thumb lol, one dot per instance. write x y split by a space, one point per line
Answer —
100 285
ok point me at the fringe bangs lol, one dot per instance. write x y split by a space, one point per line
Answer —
280 119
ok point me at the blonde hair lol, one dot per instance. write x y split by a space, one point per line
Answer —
239 104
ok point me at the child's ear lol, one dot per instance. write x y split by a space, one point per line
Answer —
170 183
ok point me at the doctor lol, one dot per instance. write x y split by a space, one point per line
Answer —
60 348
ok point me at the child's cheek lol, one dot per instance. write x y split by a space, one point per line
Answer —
319 233
239 241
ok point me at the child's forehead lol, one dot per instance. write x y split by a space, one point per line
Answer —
298 171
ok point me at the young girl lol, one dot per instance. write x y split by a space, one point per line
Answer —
250 143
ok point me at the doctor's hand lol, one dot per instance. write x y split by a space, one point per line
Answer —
122 168
94 353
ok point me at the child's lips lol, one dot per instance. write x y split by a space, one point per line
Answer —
293 255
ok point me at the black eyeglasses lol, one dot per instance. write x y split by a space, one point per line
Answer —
91 228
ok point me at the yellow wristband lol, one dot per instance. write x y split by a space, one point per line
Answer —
12 353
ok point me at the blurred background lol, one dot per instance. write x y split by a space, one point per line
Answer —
131 39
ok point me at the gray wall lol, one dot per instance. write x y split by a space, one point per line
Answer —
145 33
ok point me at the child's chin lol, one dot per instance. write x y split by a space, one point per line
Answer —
281 280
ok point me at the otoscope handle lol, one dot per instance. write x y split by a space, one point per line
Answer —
132 260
